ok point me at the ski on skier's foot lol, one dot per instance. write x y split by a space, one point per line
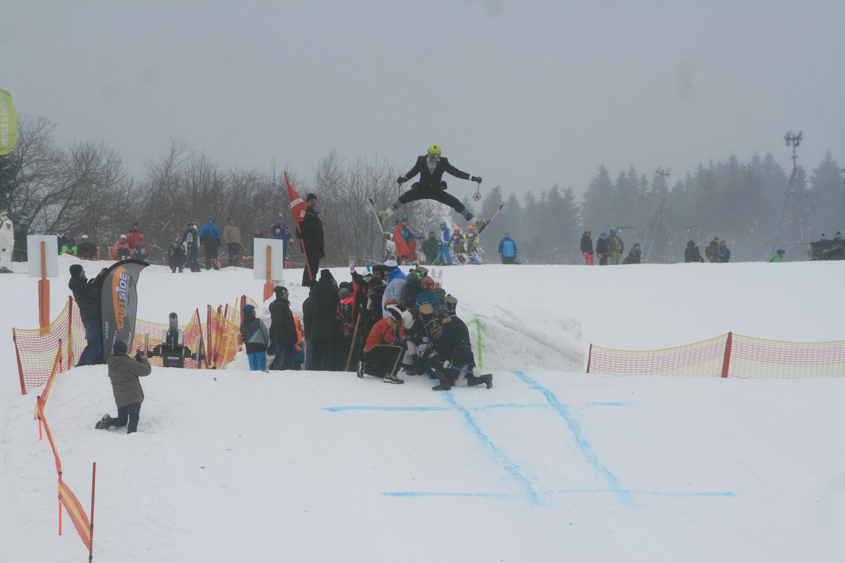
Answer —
481 223
380 218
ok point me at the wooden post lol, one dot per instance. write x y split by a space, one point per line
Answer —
43 291
70 332
268 285
726 363
93 485
60 504
590 357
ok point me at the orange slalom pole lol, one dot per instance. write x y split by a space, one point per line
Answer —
43 291
60 504
268 284
93 486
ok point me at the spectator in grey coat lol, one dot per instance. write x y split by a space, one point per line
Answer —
124 373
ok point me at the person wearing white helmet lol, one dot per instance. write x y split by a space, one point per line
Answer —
7 241
120 250
431 185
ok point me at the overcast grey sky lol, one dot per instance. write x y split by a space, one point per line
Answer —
527 94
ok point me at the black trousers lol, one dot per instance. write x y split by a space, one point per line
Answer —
324 354
210 257
436 194
313 266
383 359
234 247
130 414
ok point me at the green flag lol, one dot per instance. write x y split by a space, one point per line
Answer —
8 123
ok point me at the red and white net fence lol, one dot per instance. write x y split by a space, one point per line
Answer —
729 355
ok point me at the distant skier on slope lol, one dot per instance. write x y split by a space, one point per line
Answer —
431 184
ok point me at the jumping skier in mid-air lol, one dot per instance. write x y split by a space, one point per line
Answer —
431 185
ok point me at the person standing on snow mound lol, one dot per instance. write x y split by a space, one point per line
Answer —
431 184
128 394
310 230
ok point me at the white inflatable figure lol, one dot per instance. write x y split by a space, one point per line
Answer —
7 242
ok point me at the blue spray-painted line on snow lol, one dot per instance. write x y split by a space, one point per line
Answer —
582 442
500 455
611 404
408 494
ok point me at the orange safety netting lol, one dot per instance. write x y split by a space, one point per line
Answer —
729 355
191 335
36 348
223 332
758 358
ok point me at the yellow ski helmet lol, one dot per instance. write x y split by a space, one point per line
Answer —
434 149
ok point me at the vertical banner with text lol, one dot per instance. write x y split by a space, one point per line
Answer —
119 304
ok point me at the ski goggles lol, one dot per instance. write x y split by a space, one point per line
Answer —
433 155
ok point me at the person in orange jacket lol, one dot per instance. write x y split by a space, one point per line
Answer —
384 350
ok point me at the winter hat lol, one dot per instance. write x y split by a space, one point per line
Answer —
343 294
404 219
603 235
507 233
122 237
210 218
309 197
390 265
326 275
407 319
119 348
75 270
422 271
394 311
84 237
280 290
451 304
248 309
140 243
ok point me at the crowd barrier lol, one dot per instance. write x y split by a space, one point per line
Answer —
67 499
64 338
728 355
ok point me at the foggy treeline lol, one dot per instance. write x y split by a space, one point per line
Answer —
84 188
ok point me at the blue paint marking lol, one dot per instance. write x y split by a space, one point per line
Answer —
575 428
417 494
613 404
501 457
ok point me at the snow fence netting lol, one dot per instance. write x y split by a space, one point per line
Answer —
728 355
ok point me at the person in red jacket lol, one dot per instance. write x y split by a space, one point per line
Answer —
383 351
134 237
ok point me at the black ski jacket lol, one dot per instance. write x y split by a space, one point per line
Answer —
587 245
310 230
87 295
454 344
284 328
429 180
324 323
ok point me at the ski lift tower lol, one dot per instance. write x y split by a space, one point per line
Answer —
793 141
656 220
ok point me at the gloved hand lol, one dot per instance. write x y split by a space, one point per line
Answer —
476 179
271 350
401 180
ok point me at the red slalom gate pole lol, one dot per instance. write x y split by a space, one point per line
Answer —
60 504
93 486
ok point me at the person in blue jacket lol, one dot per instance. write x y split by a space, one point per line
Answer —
280 231
210 241
507 250
445 242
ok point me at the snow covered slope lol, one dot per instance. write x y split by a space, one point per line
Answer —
550 464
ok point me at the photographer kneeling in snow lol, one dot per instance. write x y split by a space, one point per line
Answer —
452 357
128 395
